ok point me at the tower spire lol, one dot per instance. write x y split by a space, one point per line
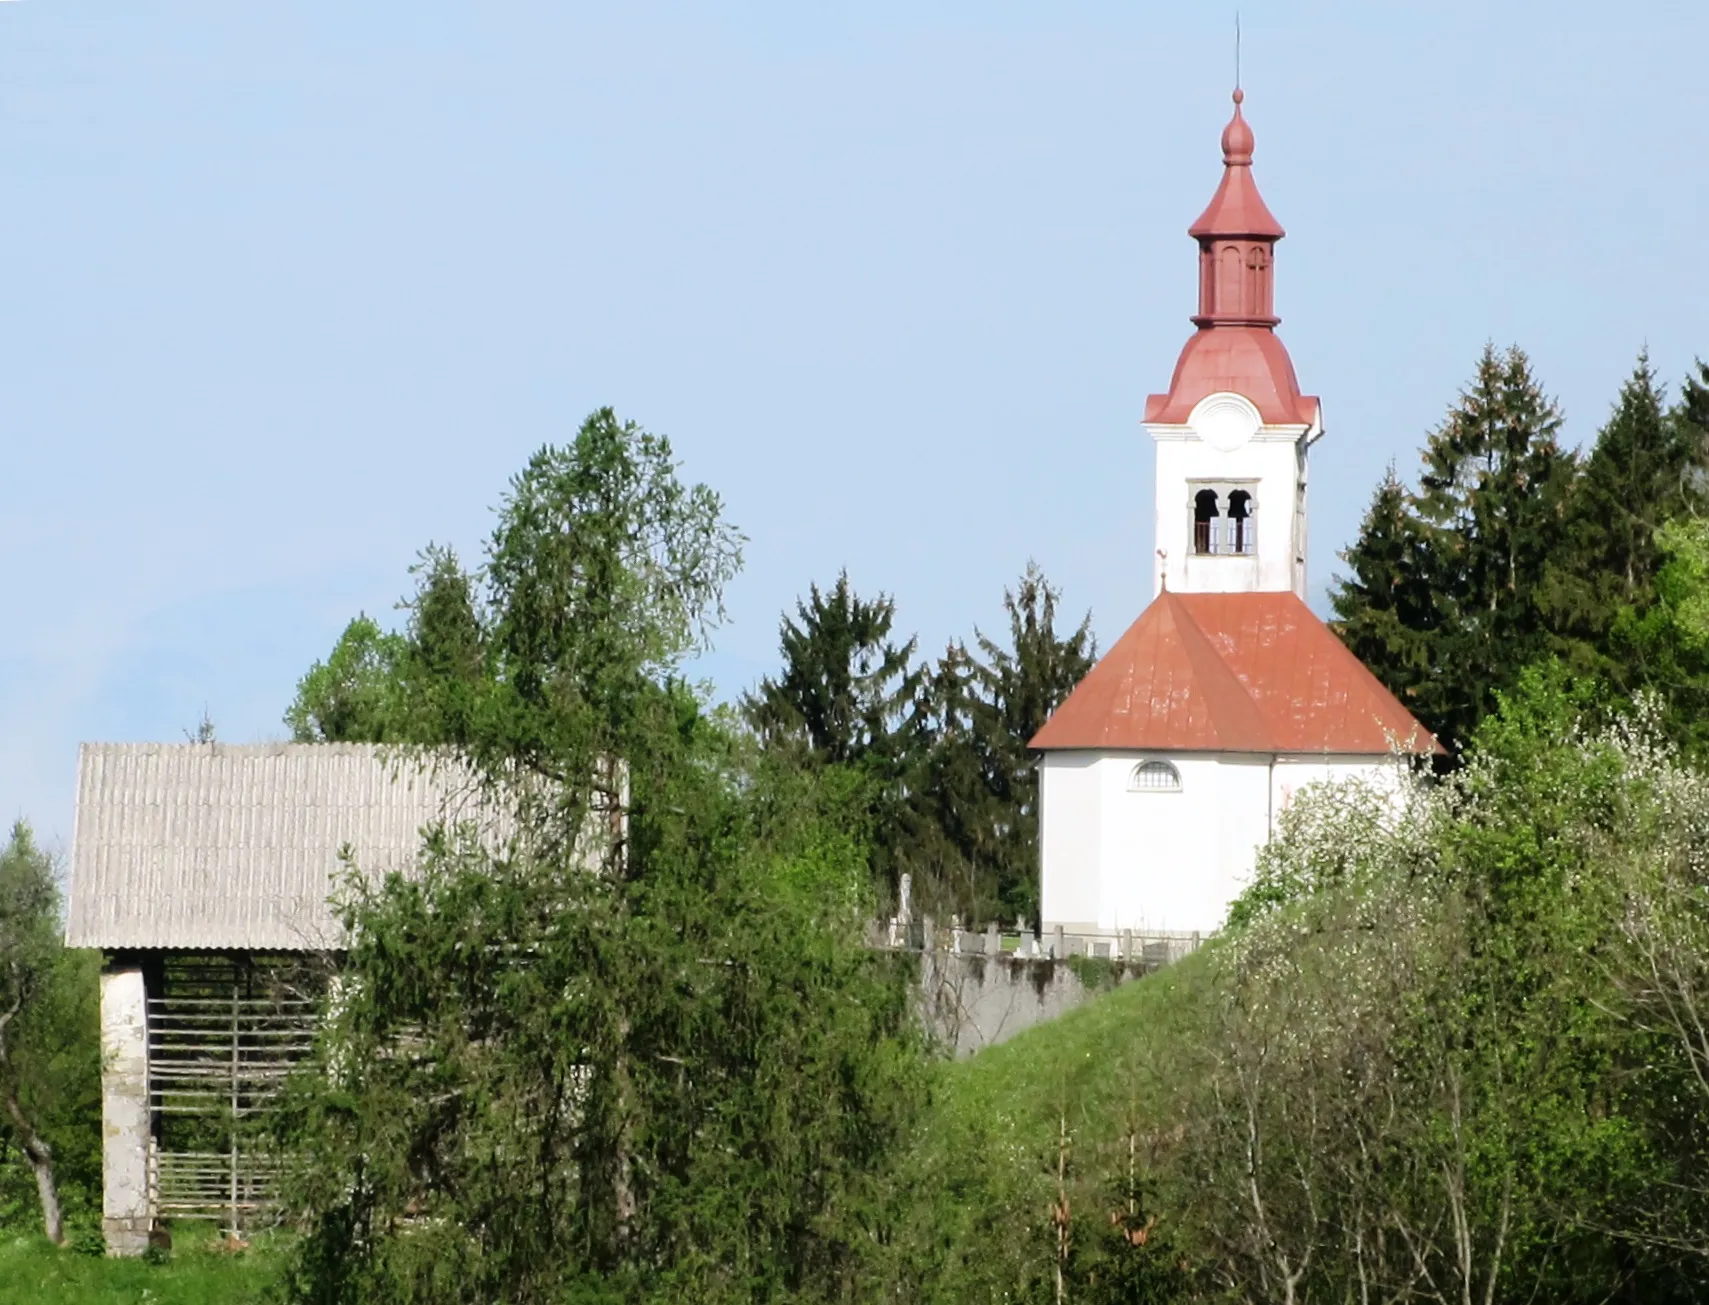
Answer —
1237 236
1236 347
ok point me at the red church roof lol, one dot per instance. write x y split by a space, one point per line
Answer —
1232 673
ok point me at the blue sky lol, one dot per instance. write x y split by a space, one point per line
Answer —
289 290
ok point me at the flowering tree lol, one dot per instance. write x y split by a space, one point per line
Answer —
1417 1088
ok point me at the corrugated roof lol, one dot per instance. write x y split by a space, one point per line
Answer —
1232 673
211 845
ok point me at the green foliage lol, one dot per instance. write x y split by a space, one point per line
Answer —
598 1073
57 1056
1439 1052
1685 581
846 684
1391 600
954 787
1453 587
603 573
50 1107
1510 550
351 697
1640 473
635 1049
1665 646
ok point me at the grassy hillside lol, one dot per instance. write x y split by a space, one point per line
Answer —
32 1272
1074 1105
1091 1059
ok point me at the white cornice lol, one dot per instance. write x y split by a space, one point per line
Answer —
1290 434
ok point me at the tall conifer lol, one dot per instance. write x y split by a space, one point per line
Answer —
1018 687
970 826
1475 551
846 685
1386 609
1640 473
1634 479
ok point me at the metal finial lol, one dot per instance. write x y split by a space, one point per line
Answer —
1237 49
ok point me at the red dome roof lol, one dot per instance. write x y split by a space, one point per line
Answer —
1249 360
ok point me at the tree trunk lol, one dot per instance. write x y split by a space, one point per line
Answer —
40 1156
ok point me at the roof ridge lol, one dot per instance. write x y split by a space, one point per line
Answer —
1242 727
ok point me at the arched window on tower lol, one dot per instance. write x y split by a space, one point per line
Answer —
1204 521
1228 282
1242 534
1257 281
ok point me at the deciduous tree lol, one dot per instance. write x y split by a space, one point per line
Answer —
31 960
634 1050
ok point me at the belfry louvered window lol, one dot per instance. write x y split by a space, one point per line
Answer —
1154 777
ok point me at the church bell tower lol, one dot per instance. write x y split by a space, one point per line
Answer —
1232 432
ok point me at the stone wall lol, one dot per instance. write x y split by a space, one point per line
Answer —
981 987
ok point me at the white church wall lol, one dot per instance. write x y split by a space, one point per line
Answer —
1149 860
1177 865
1069 800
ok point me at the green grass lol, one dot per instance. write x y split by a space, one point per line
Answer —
33 1272
1089 1061
983 1169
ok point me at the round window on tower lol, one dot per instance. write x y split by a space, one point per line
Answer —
1154 777
1224 420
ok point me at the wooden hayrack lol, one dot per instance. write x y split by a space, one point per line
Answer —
224 1032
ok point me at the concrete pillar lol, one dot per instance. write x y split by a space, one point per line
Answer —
125 1214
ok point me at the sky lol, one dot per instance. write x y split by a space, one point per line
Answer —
288 291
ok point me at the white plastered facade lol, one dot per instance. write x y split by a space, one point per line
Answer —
1157 860
1225 444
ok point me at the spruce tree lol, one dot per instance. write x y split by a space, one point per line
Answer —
845 686
1387 609
1019 686
1490 519
445 663
941 830
1635 478
1640 473
969 824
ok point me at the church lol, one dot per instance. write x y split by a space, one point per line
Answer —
1165 770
